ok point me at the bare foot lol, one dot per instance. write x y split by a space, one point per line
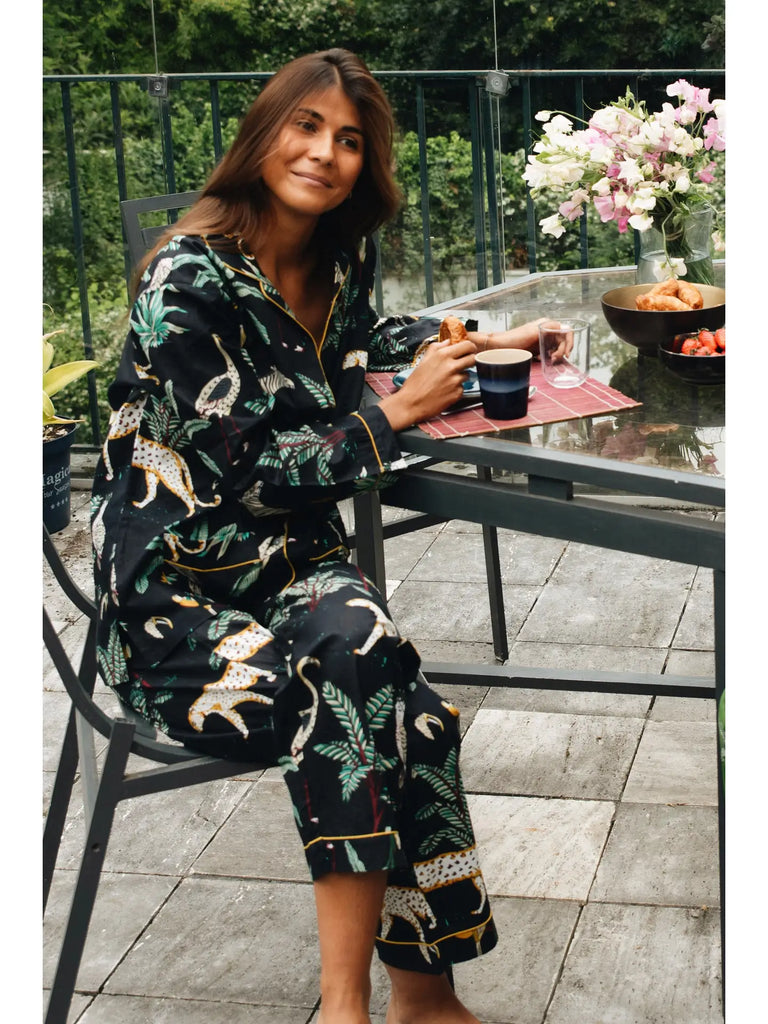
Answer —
329 1016
425 999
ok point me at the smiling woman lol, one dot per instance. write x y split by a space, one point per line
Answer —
230 614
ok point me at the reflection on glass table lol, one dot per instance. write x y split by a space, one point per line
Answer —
678 426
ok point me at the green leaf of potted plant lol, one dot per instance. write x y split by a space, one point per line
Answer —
57 377
58 434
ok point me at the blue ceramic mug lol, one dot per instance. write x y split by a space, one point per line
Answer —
504 375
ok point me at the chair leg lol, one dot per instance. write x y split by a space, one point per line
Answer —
97 837
718 579
59 804
495 590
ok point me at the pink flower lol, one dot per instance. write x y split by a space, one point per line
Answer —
572 208
713 135
706 175
604 206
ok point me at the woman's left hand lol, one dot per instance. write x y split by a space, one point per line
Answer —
525 336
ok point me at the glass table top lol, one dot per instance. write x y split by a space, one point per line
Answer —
679 426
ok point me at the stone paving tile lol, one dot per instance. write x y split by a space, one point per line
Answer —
460 651
599 597
584 657
161 833
511 984
689 709
227 940
124 904
466 698
661 855
402 553
675 764
641 965
540 848
444 611
72 636
523 560
245 847
542 754
691 663
76 1008
56 707
514 698
696 629
141 1010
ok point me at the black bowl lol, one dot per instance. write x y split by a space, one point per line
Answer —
693 369
646 329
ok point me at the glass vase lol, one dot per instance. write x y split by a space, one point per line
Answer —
679 236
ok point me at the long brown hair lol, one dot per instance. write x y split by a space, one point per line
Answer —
234 200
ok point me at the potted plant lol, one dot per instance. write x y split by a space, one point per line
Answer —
58 435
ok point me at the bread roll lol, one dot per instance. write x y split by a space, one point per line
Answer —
452 329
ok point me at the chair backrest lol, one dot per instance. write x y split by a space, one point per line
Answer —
139 238
79 683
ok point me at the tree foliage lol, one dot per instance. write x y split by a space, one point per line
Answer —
88 37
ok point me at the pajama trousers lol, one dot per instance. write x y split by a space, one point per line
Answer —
318 681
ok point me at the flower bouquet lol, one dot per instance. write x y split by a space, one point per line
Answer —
648 171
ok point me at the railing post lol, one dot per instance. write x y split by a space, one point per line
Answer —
122 189
218 147
583 236
494 214
77 232
421 122
530 211
477 183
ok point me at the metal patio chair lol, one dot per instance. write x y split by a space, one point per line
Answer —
140 238
104 787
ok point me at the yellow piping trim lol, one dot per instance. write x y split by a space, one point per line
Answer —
330 312
285 556
218 568
373 443
463 934
330 551
338 839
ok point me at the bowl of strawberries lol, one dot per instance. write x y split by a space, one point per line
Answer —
697 357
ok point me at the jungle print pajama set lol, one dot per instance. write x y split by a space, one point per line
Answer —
231 616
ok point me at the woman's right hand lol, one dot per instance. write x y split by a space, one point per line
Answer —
435 383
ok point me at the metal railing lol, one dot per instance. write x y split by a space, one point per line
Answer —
495 107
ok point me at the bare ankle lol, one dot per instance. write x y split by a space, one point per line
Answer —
344 1004
425 999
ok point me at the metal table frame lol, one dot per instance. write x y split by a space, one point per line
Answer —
587 499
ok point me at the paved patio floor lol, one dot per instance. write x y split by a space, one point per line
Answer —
596 815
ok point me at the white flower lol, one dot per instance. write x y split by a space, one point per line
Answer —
559 125
682 182
642 198
602 187
630 172
670 266
552 226
640 221
600 154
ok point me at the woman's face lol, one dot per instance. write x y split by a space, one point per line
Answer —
318 156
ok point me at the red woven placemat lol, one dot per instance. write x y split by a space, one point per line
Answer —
548 405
